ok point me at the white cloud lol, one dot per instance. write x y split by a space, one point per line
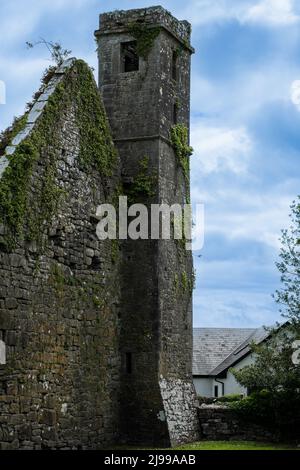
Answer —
26 68
17 21
262 225
249 88
234 308
212 11
2 92
220 149
249 216
295 93
269 12
273 12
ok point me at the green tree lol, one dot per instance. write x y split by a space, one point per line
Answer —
289 266
57 52
274 379
274 368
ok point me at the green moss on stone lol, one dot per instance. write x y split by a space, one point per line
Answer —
14 187
144 36
10 133
97 301
96 145
184 281
25 213
180 140
143 184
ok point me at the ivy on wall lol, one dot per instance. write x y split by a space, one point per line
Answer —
144 37
185 283
96 146
97 153
143 184
9 134
180 140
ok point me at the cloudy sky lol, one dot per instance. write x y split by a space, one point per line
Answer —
245 129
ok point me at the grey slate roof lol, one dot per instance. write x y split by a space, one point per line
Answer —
216 349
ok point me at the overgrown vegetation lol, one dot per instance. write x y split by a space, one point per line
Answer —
143 184
14 187
83 289
144 37
16 180
288 297
184 283
7 136
96 146
179 135
47 76
220 400
278 411
56 50
234 397
188 282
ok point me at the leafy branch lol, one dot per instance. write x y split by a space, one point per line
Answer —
58 53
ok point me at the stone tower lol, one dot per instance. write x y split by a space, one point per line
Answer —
144 78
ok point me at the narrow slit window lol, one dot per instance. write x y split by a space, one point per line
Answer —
128 363
175 113
216 391
2 352
129 57
175 66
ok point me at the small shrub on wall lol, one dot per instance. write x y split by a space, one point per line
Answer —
279 411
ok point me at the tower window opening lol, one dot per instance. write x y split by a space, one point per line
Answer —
129 57
128 363
175 66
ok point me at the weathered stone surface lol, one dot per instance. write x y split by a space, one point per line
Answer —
98 334
156 314
36 111
180 406
59 350
67 63
50 89
9 150
2 352
22 135
220 423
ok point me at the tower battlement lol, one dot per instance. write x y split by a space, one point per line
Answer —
118 21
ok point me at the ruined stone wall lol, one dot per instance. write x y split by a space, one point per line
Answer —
220 423
96 336
59 285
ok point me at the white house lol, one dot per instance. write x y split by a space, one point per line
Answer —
215 351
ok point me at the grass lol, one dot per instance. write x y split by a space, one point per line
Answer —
235 445
220 445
